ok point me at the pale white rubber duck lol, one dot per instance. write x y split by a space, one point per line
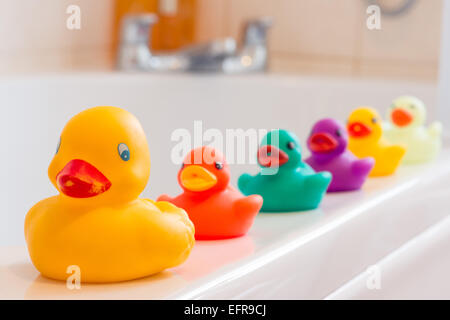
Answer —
406 126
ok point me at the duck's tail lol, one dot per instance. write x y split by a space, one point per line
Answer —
363 166
319 181
435 129
248 206
395 152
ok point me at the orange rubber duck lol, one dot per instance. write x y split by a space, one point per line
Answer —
218 210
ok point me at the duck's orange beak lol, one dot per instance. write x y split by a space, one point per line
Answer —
401 117
271 156
197 178
358 130
79 179
322 142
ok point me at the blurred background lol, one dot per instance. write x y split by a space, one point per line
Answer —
308 36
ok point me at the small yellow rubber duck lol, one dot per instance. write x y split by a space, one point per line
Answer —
97 223
365 132
406 118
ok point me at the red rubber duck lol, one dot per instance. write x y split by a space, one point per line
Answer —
217 210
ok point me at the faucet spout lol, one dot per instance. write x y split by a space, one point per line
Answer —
134 53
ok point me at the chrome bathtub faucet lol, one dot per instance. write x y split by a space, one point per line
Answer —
221 56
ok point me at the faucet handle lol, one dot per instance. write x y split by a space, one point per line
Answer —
135 29
255 31
133 50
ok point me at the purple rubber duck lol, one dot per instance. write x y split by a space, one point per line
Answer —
328 146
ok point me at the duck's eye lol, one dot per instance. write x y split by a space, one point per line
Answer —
291 145
392 106
182 165
218 165
374 120
58 145
412 106
338 133
124 152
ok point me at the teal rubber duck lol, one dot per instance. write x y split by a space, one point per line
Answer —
285 182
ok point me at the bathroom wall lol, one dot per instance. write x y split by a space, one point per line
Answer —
34 36
331 37
308 36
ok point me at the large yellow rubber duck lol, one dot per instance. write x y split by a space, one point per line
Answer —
406 119
97 226
365 132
